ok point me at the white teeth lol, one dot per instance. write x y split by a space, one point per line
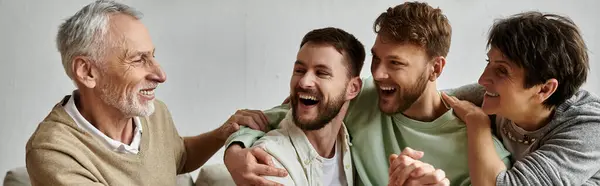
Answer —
491 94
308 97
387 88
147 92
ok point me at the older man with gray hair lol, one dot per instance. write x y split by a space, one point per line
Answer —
112 130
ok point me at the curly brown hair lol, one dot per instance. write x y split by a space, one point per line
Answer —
416 23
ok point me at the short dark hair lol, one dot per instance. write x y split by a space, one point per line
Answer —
344 42
416 23
547 46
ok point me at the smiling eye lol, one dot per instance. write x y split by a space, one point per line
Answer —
299 71
322 74
502 70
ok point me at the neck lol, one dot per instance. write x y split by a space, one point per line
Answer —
428 106
323 140
105 118
535 118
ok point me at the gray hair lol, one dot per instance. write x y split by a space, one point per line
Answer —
84 34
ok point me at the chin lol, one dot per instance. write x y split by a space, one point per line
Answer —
305 119
387 108
144 111
489 110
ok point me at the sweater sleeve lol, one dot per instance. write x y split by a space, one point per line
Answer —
49 167
471 92
568 157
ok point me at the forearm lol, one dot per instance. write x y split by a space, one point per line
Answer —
484 163
200 148
247 136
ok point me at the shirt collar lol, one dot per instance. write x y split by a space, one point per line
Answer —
302 144
114 145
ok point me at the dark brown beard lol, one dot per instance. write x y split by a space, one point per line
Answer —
327 111
411 94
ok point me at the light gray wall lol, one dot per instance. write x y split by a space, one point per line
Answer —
220 56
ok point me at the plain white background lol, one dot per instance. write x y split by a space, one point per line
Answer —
221 56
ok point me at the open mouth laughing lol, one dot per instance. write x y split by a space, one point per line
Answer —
387 90
308 100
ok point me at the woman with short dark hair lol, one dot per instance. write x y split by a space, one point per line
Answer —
536 65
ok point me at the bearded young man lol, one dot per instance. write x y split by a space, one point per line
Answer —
398 108
312 135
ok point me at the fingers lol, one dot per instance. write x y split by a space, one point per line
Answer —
251 118
265 120
258 180
450 100
421 171
229 129
400 162
243 120
269 168
392 158
434 177
392 166
242 165
258 115
401 175
444 182
414 154
262 156
265 170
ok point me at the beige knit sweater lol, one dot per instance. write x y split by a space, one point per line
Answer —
61 153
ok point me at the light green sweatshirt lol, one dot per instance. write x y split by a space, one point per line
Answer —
375 135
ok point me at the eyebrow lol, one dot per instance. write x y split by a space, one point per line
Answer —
502 61
298 62
394 57
130 54
323 67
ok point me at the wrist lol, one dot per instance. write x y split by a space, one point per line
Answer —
234 147
219 135
478 128
477 119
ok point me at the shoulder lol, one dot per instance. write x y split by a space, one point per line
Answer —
280 147
57 130
583 103
275 141
54 145
55 135
579 115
